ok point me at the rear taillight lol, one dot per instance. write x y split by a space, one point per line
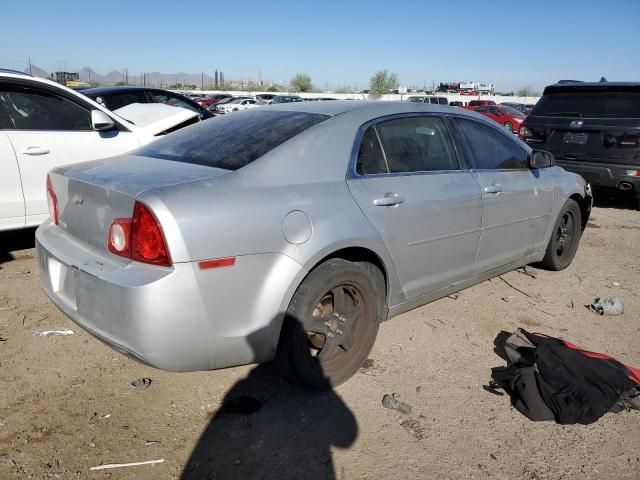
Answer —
139 238
52 201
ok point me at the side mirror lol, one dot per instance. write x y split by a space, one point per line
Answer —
100 121
541 159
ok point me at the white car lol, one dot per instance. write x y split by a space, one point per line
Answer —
239 104
44 125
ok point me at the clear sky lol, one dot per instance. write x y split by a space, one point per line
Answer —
509 43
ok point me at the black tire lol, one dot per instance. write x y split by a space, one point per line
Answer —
565 238
323 343
508 127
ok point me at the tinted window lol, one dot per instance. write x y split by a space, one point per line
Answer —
232 142
433 100
113 101
590 103
370 156
417 144
511 111
443 101
173 100
488 148
31 109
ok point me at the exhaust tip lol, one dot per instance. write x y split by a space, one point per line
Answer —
625 186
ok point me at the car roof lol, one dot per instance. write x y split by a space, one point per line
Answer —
569 85
120 89
375 108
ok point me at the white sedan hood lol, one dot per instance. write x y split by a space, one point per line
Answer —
154 118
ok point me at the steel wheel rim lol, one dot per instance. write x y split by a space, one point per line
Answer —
564 234
508 127
336 321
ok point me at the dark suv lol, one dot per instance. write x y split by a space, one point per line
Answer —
592 129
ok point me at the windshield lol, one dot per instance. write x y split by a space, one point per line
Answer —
234 141
589 103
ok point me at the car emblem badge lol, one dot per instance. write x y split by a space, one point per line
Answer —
77 200
576 124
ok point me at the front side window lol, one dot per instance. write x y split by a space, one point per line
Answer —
417 144
231 142
34 109
489 149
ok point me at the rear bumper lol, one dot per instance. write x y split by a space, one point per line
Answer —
603 174
179 318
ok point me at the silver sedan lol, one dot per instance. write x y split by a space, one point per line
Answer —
292 231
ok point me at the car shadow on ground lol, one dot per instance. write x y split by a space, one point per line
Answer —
15 240
610 198
269 428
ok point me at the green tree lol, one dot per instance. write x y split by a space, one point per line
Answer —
301 83
275 88
382 82
527 92
343 90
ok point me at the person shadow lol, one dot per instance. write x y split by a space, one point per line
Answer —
13 240
269 428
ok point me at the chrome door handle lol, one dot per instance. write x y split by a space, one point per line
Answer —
35 151
389 200
493 188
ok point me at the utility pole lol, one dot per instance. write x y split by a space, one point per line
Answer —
30 73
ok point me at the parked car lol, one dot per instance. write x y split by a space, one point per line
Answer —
286 99
456 104
510 118
266 97
521 107
429 99
481 103
44 125
217 108
593 129
212 99
239 104
118 97
317 237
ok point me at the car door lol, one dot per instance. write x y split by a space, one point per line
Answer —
408 182
515 204
50 129
11 198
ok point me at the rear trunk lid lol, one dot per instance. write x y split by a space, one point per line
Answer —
90 195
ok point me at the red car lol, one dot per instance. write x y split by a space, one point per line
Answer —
481 103
508 117
209 100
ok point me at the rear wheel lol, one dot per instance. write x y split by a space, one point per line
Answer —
508 127
331 323
564 238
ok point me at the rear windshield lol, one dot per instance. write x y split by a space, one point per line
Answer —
234 141
589 103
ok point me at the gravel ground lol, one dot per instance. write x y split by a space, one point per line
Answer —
66 403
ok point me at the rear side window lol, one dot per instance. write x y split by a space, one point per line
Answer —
489 149
589 103
370 157
417 144
234 141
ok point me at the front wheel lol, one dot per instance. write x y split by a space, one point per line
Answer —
564 238
331 323
508 127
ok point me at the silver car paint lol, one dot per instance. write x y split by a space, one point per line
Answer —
184 318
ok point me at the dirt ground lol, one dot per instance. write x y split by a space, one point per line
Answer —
66 403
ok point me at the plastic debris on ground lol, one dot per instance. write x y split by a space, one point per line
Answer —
392 402
141 383
53 333
607 306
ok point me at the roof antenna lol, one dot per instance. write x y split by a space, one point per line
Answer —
602 79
